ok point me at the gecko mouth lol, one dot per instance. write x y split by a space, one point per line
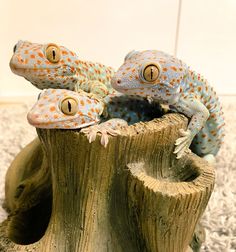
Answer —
19 70
48 125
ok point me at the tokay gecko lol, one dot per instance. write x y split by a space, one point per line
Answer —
66 109
54 66
163 78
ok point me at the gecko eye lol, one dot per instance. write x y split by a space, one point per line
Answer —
150 72
53 53
69 106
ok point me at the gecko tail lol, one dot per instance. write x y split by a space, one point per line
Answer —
210 158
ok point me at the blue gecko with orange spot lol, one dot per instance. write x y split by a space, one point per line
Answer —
65 109
53 66
161 77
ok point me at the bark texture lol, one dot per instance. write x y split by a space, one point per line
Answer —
131 196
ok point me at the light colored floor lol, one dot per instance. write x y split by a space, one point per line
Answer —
220 216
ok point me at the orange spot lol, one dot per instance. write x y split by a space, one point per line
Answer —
80 113
199 89
88 101
76 62
26 51
40 55
52 108
39 62
55 116
164 69
69 59
64 52
46 116
32 56
174 68
82 103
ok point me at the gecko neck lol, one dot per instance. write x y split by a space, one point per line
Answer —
87 70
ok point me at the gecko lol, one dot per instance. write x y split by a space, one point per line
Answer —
163 78
54 66
66 109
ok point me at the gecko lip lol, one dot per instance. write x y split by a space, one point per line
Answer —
48 125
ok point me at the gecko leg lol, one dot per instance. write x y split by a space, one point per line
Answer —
110 127
194 109
97 88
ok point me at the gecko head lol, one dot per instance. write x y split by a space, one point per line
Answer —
64 109
45 65
150 70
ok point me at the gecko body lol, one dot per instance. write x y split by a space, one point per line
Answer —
161 77
54 66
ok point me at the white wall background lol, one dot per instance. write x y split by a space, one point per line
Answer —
105 30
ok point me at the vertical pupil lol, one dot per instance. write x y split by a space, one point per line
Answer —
69 106
53 54
151 73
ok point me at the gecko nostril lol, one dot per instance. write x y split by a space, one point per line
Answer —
118 81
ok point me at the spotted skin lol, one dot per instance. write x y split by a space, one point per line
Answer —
183 90
30 61
89 111
47 113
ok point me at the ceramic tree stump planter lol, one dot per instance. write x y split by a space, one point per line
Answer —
65 194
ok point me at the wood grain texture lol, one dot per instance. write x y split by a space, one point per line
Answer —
131 196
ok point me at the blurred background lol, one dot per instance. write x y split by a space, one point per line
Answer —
202 33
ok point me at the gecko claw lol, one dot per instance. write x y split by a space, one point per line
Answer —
92 131
182 144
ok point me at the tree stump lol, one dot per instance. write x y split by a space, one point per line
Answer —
133 195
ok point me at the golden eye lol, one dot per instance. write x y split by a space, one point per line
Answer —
69 106
53 53
151 72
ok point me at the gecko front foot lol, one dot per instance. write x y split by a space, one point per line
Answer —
105 129
182 144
